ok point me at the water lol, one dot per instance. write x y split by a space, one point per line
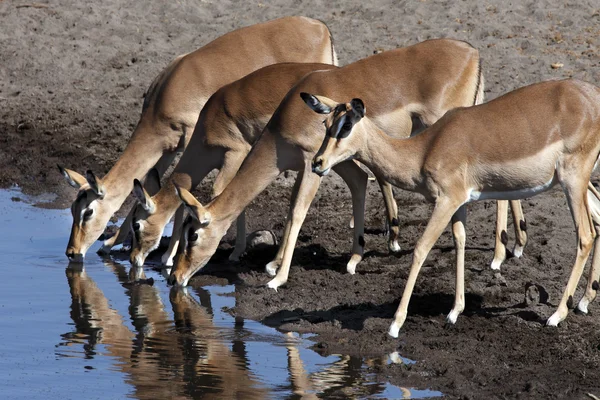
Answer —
71 332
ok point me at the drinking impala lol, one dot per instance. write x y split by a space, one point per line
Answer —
171 107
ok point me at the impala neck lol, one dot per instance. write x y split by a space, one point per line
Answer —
139 157
261 167
398 161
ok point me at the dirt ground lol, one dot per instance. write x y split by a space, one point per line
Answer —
72 75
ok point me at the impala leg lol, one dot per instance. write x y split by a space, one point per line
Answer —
231 164
190 168
459 220
442 213
592 285
309 184
576 197
520 227
392 215
169 255
274 265
356 179
501 235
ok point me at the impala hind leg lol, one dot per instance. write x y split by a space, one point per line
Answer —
501 235
520 227
593 286
577 199
232 161
459 220
442 213
392 215
357 180
307 188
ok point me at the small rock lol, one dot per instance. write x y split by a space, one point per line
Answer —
557 65
261 238
532 295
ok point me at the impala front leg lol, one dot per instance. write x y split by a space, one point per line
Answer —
459 220
169 255
356 179
442 213
309 184
274 265
231 164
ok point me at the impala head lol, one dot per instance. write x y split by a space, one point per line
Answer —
199 240
339 145
89 216
147 224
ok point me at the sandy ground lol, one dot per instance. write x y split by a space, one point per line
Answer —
72 77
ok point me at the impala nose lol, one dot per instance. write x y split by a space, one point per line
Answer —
317 164
171 280
74 257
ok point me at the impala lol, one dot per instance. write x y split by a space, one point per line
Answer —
171 107
228 126
399 92
513 147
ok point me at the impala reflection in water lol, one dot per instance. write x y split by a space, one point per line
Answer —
107 331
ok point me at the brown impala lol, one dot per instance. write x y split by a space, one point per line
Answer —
513 147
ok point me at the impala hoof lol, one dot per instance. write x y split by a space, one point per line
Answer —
271 268
496 264
351 266
517 251
394 330
555 319
453 316
583 305
394 246
274 284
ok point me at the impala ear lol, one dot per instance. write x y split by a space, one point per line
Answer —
95 183
319 104
197 210
143 197
73 178
152 182
358 107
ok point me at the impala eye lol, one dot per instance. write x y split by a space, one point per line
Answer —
192 236
347 126
136 226
88 214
